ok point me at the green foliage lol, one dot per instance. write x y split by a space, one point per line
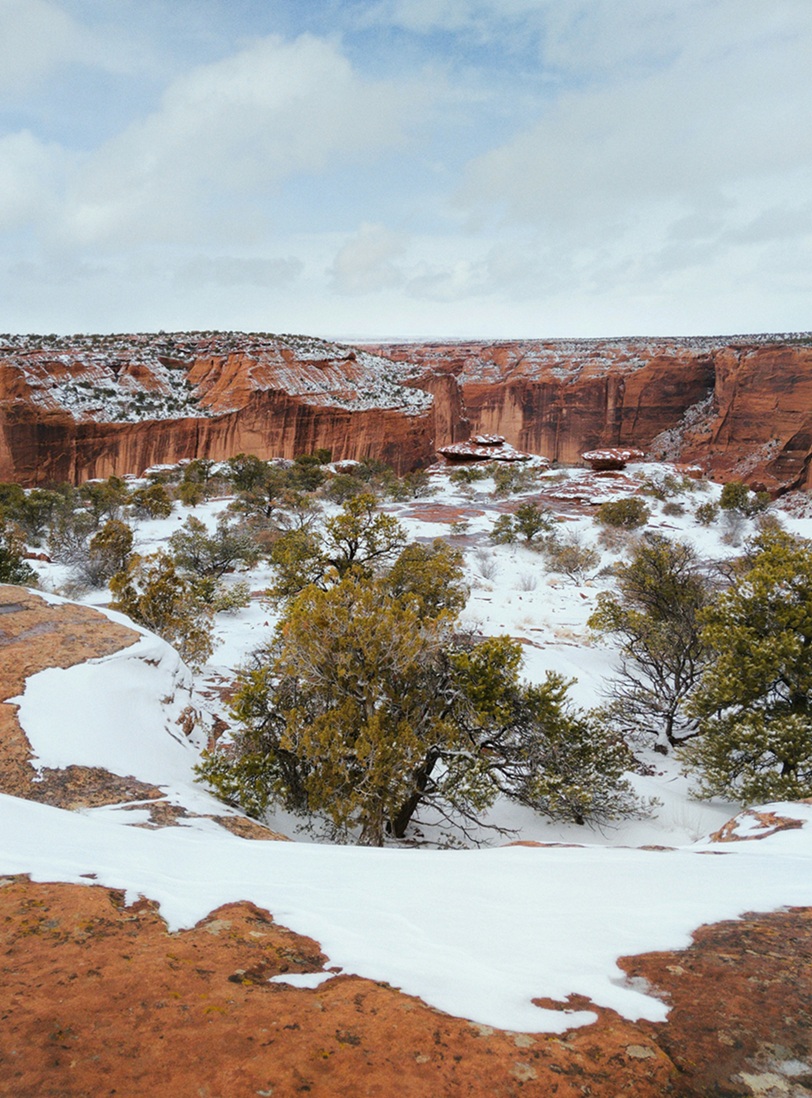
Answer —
343 486
152 592
414 485
432 575
737 496
153 501
190 493
13 567
228 599
246 472
359 538
366 706
754 701
570 557
655 616
69 536
503 532
707 513
306 474
195 550
665 486
107 553
200 476
341 707
39 510
527 521
104 499
571 766
629 514
510 478
530 519
469 474
12 500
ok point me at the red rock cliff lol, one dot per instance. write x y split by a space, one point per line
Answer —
96 406
91 406
741 406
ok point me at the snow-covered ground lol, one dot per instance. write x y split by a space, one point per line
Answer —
478 932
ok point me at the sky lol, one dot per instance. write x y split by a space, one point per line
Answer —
406 169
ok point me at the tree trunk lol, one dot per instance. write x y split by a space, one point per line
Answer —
372 827
404 815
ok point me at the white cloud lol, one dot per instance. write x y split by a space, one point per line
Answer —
39 37
226 134
36 35
626 159
29 174
366 262
675 165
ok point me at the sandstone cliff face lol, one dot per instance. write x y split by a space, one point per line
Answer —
120 405
741 407
759 425
560 398
91 406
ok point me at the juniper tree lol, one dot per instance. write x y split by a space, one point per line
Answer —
107 553
13 566
368 707
154 594
358 538
202 553
655 616
754 700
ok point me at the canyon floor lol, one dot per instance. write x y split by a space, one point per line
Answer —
154 939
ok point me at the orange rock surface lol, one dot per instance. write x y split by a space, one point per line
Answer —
82 407
99 998
87 407
741 407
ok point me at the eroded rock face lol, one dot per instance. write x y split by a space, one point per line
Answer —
741 407
759 426
88 407
82 407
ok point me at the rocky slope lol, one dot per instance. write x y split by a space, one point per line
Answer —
83 406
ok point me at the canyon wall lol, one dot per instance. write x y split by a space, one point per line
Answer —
124 404
740 406
82 407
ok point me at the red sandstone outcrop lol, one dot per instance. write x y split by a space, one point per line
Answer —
739 406
613 457
560 398
90 406
759 425
94 406
484 448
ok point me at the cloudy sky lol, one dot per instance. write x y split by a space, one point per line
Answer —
406 168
